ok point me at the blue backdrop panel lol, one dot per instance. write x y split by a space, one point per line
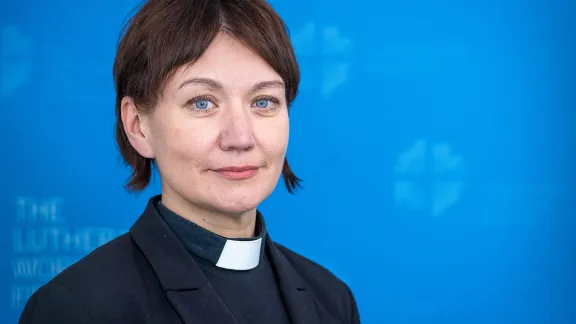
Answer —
433 138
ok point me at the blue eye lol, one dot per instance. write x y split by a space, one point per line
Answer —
262 103
202 104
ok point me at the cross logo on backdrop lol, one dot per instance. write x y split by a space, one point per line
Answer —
325 54
429 177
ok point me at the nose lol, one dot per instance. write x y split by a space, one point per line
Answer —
237 133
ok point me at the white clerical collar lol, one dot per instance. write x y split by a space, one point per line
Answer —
232 254
240 255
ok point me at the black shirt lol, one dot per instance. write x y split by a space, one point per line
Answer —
248 288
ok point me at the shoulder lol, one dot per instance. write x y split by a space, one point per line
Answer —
332 293
106 265
323 283
310 269
101 280
53 303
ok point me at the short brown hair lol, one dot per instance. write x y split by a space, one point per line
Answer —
164 35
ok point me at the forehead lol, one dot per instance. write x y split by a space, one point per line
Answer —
229 62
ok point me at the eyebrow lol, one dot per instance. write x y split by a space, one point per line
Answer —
217 85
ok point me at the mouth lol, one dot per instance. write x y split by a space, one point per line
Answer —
240 172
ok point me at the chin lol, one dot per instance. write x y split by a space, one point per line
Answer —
239 202
239 207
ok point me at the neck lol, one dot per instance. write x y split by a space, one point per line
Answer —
228 225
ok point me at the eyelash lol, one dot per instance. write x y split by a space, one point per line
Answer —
273 100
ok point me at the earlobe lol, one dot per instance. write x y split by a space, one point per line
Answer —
135 126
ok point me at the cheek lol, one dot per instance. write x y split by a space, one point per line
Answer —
273 137
181 140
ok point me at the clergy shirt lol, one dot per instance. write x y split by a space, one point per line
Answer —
238 269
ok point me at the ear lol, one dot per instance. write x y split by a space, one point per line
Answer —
137 128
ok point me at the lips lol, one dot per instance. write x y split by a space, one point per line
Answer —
239 168
240 172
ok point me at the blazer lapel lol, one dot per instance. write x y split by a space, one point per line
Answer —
298 299
182 280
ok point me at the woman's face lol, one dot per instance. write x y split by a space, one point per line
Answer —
219 132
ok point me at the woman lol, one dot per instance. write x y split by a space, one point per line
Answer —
203 90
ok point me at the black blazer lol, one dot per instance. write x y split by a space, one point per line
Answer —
147 276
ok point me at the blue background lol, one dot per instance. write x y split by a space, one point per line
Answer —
434 137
